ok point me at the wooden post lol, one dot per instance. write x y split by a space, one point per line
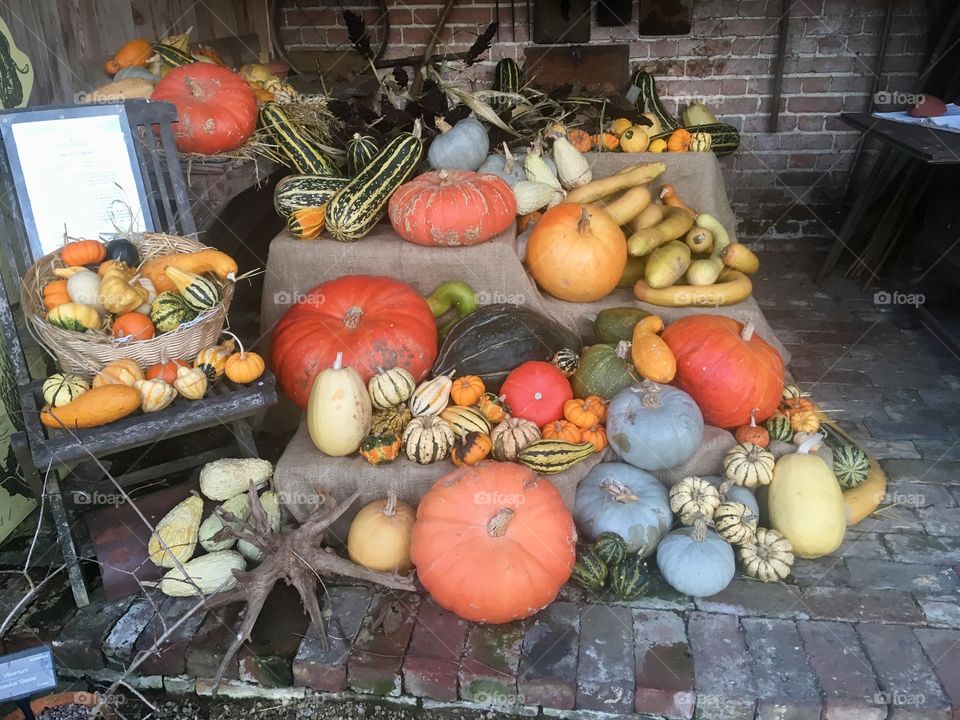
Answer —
259 13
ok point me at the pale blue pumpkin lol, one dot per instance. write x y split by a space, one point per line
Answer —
696 561
738 493
509 169
619 498
461 147
653 426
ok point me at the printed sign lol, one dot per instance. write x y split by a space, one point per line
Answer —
26 673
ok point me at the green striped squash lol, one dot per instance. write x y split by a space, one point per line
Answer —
629 579
466 419
610 548
507 77
648 101
293 142
554 456
851 466
724 138
589 571
173 56
296 192
360 151
391 387
360 204
198 292
169 311
779 428
62 388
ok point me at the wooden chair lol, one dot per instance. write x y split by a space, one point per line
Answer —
42 452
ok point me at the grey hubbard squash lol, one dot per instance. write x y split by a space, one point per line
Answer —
696 561
463 146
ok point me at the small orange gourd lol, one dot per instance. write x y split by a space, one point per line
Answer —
605 141
471 449
561 430
467 390
83 252
134 325
199 262
753 433
55 293
596 436
651 356
804 421
165 370
668 195
133 52
580 413
493 407
679 140
597 405
243 367
580 139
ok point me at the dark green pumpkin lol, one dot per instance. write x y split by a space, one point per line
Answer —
124 251
615 324
603 371
610 548
497 338
589 571
629 579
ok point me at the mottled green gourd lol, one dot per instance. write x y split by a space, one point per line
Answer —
610 548
850 465
589 571
779 428
629 578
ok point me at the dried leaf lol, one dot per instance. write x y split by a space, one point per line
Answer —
357 33
481 109
481 44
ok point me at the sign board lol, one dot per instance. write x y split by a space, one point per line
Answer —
75 167
26 673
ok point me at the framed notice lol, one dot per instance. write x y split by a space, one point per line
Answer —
26 673
74 167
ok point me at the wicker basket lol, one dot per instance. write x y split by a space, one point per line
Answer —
85 353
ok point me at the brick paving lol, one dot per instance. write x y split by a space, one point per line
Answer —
871 631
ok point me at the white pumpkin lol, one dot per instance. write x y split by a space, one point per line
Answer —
573 169
339 413
83 286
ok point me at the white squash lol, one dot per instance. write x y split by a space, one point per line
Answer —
339 413
533 195
537 169
573 170
83 287
806 503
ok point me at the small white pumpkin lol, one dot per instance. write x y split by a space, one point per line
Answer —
339 412
428 439
83 286
391 387
533 195
537 169
62 388
693 498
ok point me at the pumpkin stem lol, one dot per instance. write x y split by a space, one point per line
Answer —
390 509
243 353
810 444
623 349
508 162
497 527
583 224
441 124
699 533
352 317
338 363
747 331
753 417
650 397
619 492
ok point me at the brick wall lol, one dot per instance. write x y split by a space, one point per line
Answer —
783 185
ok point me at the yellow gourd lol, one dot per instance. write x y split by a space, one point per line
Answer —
155 395
806 503
212 360
657 146
651 356
125 371
379 537
178 529
74 316
120 292
635 140
191 383
339 413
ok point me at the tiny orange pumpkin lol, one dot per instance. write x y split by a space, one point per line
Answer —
752 433
467 390
679 140
580 413
596 436
561 430
580 139
471 449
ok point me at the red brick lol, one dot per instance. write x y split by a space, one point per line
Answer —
605 667
664 666
886 606
169 658
548 664
376 658
721 668
815 104
488 671
785 683
325 669
210 642
431 665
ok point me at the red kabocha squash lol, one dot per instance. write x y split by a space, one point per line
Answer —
493 542
576 253
376 322
536 391
217 110
452 207
726 368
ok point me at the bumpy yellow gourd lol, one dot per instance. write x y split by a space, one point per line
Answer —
119 292
178 529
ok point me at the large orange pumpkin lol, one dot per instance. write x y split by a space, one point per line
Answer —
376 322
217 109
452 207
577 253
726 368
493 542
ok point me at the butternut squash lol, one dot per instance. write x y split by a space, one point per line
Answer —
200 262
650 216
732 287
98 406
627 178
675 224
627 206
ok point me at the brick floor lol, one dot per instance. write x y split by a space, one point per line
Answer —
871 631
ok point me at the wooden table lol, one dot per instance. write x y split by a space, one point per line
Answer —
212 183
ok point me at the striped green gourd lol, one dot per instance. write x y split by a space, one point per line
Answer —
466 419
629 579
725 138
648 101
294 143
507 77
610 548
779 428
173 56
360 204
169 311
850 465
589 571
554 456
360 151
296 192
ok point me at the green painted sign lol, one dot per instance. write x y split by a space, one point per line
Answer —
16 72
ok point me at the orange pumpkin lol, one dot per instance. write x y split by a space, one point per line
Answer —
55 293
561 430
752 433
474 538
165 370
83 252
134 325
596 436
605 141
467 390
133 52
580 413
262 94
580 139
679 140
471 449
597 405
577 253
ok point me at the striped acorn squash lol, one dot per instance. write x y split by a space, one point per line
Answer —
554 456
360 204
61 388
466 419
508 78
173 56
495 339
391 387
589 571
169 311
198 292
724 138
779 428
428 439
360 151
296 192
629 578
294 143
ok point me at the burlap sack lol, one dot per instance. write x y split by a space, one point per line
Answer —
302 470
708 459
